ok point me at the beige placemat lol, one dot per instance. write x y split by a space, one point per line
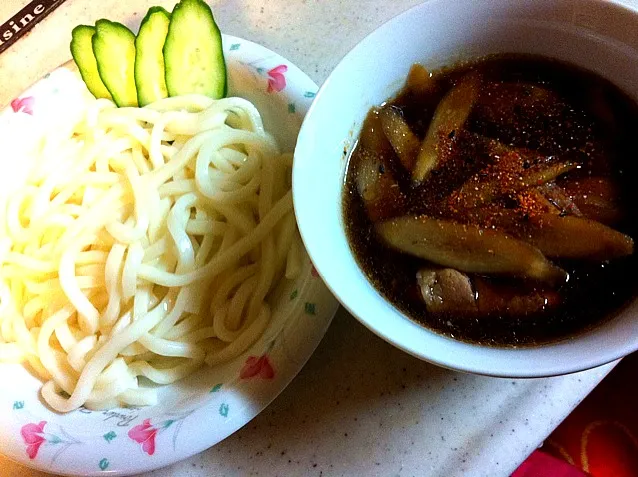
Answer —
17 23
46 45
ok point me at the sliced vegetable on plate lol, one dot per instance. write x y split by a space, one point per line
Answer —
82 51
114 50
149 57
173 54
193 52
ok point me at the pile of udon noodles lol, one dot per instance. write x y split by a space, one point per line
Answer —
143 243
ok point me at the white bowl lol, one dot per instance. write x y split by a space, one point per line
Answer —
597 35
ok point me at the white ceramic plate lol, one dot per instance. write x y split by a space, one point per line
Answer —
206 407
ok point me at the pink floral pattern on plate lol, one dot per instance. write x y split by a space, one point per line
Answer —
24 105
145 434
257 367
277 79
33 436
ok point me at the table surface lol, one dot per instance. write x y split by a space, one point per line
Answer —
360 406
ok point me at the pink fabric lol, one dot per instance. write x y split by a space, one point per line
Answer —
540 464
600 437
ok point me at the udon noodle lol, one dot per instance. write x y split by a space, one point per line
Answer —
144 243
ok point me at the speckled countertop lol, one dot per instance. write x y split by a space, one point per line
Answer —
360 406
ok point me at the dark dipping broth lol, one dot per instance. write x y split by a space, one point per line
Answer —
492 201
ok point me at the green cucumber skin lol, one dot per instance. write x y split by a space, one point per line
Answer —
150 79
82 53
193 54
116 68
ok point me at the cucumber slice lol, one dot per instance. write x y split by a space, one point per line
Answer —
149 58
82 53
193 55
114 50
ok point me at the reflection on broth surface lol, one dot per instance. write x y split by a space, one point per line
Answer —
492 201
